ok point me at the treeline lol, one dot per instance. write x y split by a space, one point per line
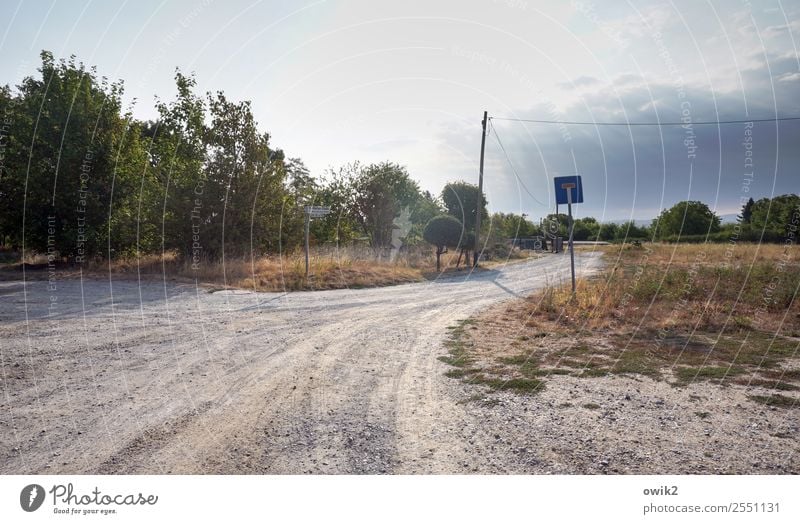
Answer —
764 220
81 178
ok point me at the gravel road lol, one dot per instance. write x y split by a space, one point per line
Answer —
128 377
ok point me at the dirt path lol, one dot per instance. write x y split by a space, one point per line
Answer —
152 378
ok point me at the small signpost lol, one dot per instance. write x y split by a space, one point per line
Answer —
569 190
313 212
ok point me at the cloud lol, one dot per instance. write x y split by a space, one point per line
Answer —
579 82
774 31
643 23
632 172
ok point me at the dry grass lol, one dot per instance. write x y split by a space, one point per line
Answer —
681 313
709 286
330 268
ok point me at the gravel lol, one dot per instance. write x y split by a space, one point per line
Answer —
158 377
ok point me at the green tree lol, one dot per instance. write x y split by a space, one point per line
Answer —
381 191
337 190
222 188
183 195
509 225
423 209
246 180
443 231
747 211
585 229
460 200
72 164
686 218
301 190
557 224
608 231
778 215
629 230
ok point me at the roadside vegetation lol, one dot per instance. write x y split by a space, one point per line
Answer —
717 313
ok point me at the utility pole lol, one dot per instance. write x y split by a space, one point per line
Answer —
479 204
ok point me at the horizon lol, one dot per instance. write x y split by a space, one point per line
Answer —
409 84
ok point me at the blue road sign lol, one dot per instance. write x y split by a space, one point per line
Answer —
568 183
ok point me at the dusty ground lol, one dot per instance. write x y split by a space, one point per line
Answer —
153 378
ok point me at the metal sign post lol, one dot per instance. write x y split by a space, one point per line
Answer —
313 212
569 187
569 191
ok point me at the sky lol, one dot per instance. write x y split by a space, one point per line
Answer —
408 82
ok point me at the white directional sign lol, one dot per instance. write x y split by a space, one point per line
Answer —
317 211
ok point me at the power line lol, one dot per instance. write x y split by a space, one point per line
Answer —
513 169
703 123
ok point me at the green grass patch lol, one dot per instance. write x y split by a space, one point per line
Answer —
516 360
781 401
636 363
593 373
519 385
543 372
686 375
460 372
769 384
782 374
578 364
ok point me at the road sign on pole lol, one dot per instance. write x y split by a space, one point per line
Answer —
313 212
569 191
575 190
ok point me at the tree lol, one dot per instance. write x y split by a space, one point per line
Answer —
608 231
301 189
245 178
181 185
381 191
557 224
747 211
8 143
509 225
585 229
778 215
74 160
201 180
686 218
221 187
443 231
629 230
461 200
